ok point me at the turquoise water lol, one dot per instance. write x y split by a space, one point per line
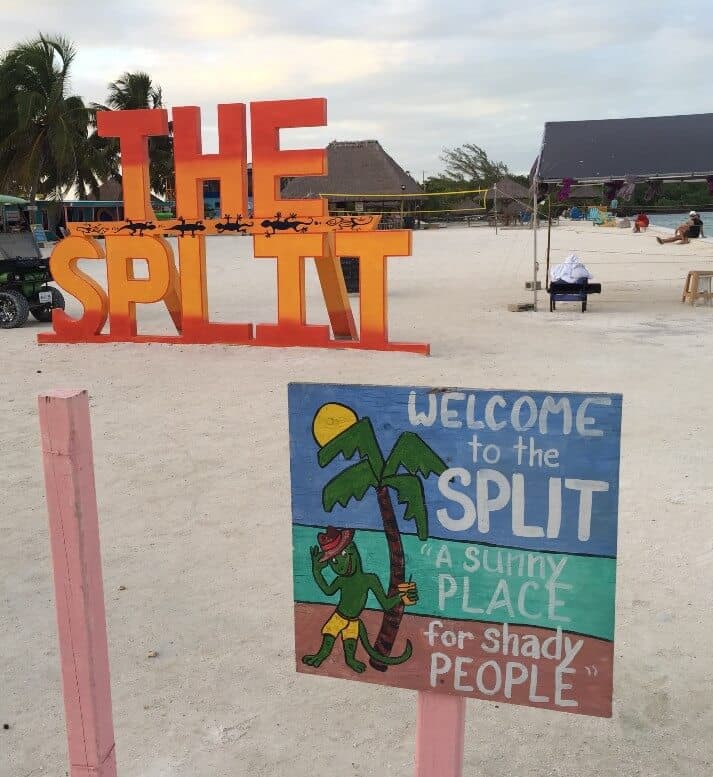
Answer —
672 220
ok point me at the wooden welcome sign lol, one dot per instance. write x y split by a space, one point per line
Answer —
285 230
457 542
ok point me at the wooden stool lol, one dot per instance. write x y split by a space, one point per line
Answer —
698 285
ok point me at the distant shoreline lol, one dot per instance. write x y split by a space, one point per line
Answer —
629 210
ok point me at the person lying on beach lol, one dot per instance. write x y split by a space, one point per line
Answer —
692 228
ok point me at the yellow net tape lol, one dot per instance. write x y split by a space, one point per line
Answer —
418 196
406 212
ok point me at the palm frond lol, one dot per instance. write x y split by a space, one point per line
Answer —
358 438
351 483
62 48
409 492
415 456
133 90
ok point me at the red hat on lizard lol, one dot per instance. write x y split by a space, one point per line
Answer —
333 541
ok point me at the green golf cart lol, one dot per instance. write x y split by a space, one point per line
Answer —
24 272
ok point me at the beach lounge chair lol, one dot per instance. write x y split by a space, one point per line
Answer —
560 291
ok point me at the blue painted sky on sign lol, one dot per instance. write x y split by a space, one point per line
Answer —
579 459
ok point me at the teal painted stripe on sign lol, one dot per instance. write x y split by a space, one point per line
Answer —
483 583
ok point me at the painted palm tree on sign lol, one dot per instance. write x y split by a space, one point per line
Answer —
340 432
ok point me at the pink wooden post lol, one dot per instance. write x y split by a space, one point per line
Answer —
440 731
79 593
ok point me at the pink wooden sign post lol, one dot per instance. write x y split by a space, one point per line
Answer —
440 731
79 592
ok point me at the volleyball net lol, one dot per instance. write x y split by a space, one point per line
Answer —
432 205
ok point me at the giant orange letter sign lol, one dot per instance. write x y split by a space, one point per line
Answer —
373 248
291 327
334 290
288 230
63 266
270 164
133 128
125 290
192 168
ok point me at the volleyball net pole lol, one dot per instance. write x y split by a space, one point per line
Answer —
534 244
495 206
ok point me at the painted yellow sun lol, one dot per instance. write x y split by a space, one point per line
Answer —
330 420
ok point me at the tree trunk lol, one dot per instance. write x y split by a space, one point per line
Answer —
35 185
392 619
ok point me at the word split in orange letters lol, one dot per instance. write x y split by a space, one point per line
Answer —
307 232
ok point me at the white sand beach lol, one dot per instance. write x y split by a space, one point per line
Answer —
192 469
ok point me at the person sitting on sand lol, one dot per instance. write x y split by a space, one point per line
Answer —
692 228
641 222
696 228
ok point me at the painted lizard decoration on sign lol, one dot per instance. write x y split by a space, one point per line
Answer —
350 222
278 224
137 226
91 229
184 227
338 550
234 226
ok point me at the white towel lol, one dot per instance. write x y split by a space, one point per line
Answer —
570 271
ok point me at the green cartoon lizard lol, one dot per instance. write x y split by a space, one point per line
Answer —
337 549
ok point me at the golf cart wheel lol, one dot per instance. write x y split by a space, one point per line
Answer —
14 309
44 312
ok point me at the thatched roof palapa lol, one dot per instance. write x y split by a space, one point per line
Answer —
360 167
508 189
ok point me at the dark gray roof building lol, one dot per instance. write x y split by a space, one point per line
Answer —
664 147
585 193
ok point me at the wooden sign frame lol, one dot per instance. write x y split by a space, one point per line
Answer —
458 542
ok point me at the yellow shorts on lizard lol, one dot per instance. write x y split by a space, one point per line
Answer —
337 625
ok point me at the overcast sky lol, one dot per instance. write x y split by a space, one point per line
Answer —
417 75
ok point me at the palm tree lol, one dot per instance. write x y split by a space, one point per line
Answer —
133 91
398 472
43 128
97 162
